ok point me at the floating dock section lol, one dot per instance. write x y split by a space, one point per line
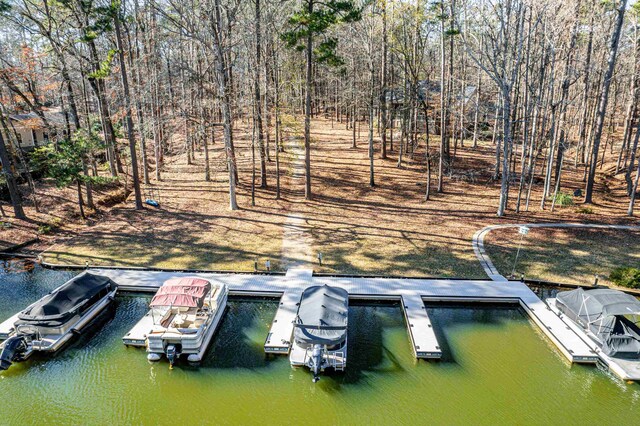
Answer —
137 336
279 338
423 338
410 292
567 341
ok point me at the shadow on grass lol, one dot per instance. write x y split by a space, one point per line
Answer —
570 256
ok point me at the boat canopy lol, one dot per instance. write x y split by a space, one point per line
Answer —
322 316
188 292
73 297
603 312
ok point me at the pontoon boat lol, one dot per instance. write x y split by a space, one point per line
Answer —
49 323
320 333
609 317
184 315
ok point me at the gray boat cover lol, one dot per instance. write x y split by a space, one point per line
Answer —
72 298
602 311
322 316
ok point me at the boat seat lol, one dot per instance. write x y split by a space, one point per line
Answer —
165 322
197 323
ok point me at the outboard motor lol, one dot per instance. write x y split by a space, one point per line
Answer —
13 351
172 355
316 360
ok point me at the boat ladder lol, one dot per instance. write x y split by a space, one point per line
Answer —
335 359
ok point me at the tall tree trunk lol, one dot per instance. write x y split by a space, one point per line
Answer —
604 99
258 102
371 115
127 104
627 175
223 93
80 202
307 109
634 192
477 111
582 142
506 149
383 94
443 110
7 167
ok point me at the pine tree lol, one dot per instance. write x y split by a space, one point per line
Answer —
312 20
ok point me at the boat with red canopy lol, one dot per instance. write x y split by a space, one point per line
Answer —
184 315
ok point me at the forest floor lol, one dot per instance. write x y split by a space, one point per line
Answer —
385 230
58 217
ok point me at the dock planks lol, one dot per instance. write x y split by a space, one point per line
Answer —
279 338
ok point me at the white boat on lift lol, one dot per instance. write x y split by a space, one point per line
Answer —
184 316
320 333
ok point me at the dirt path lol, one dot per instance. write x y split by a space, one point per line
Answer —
296 240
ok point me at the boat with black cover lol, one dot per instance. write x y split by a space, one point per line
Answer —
320 330
49 323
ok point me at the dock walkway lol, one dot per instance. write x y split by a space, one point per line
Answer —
279 337
423 338
407 290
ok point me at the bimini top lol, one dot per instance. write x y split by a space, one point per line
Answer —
188 292
322 316
593 304
603 311
73 297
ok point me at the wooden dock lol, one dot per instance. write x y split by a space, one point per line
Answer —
406 290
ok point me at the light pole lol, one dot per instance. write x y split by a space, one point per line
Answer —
522 230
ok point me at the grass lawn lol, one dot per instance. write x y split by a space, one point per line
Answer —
572 256
385 230
153 239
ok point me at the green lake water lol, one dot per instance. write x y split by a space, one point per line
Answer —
497 368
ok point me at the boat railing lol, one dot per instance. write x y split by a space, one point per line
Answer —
336 359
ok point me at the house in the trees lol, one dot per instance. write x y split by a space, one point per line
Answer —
30 130
428 91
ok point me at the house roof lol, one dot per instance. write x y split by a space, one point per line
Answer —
54 116
432 87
